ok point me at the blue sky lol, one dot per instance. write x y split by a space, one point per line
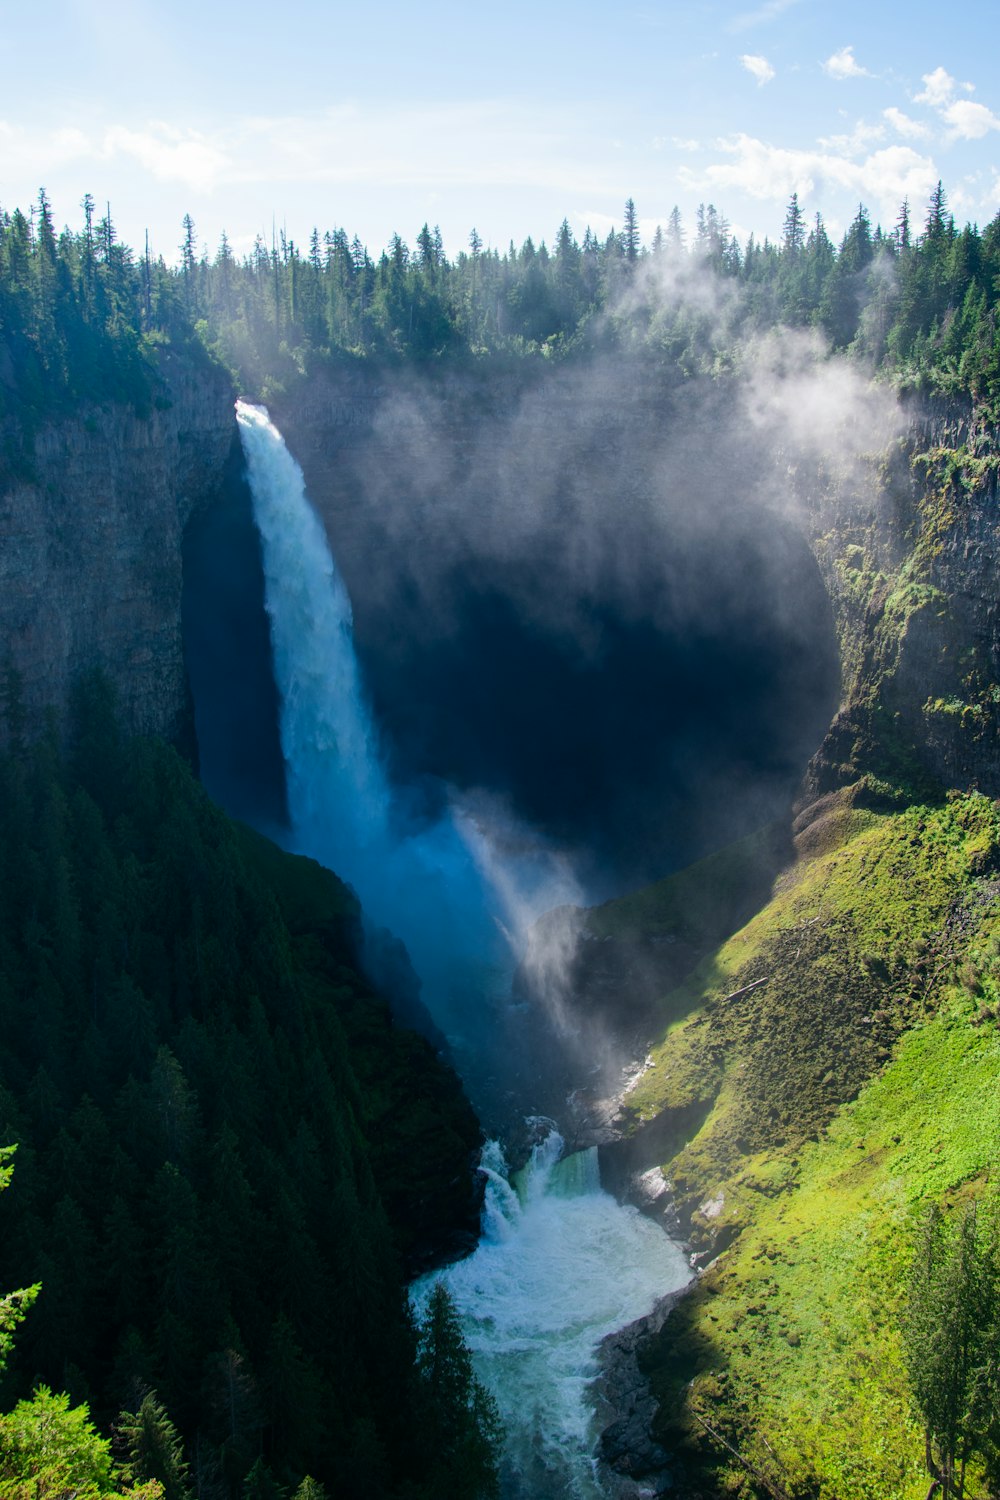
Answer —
505 116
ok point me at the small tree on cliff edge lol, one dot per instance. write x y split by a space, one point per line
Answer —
14 1305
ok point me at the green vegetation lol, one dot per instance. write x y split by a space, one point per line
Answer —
226 1150
854 1085
81 316
464 1430
48 1449
206 1098
951 1333
79 319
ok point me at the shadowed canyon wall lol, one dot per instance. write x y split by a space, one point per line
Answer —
574 590
585 591
92 513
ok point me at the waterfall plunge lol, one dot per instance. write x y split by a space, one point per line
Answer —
459 908
561 1263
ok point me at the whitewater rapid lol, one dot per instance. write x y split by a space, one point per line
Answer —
560 1264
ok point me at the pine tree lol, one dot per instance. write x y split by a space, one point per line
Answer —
937 223
310 1489
260 1484
950 1342
794 229
463 1429
13 1305
150 1448
901 233
630 233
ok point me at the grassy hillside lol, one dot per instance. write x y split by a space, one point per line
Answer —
841 1052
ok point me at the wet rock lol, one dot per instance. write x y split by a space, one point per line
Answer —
631 1462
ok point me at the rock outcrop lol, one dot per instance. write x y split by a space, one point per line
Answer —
909 561
91 522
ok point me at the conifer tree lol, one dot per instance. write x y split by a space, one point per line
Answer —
794 229
952 1343
13 1305
463 1429
151 1448
630 232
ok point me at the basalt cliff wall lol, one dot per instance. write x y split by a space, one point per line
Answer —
906 542
92 518
92 514
910 564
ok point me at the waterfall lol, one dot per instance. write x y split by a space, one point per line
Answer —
323 714
560 1265
441 888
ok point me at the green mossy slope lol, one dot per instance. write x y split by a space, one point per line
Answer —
842 1053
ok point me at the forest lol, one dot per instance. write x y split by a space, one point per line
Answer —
225 1151
81 313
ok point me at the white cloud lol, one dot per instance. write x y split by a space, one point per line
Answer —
883 179
969 121
842 64
171 155
859 140
939 87
34 159
427 145
274 159
911 130
164 152
966 120
679 143
759 67
26 153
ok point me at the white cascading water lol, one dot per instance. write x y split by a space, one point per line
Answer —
561 1263
439 888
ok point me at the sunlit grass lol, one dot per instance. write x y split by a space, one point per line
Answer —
856 1086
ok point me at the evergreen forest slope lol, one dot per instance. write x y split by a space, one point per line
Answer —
225 1149
82 317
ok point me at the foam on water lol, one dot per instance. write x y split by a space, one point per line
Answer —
560 1265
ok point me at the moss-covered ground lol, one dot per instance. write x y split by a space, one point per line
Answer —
842 1052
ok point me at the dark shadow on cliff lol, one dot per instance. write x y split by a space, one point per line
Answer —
584 596
227 653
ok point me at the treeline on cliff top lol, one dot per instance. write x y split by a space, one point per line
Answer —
80 312
225 1150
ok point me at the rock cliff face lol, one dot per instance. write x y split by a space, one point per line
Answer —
910 565
91 528
569 589
91 524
